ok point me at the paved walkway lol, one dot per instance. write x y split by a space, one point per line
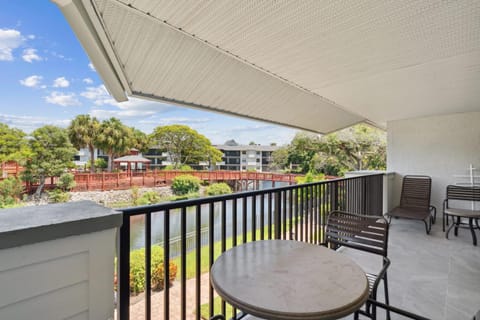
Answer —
137 310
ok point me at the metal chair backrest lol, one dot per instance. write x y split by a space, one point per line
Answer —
463 193
361 232
416 192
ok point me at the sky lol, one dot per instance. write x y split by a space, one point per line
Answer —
47 78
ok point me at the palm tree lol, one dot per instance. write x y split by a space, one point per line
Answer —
139 140
83 132
114 138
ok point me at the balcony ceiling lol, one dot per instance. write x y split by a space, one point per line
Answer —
316 65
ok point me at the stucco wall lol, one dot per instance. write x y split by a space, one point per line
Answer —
441 147
67 278
57 261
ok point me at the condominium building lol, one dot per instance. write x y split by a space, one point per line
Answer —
246 157
235 157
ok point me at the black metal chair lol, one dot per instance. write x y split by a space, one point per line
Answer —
467 194
365 233
477 316
415 201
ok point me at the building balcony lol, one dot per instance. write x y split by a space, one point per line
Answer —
68 251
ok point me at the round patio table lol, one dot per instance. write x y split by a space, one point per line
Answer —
286 279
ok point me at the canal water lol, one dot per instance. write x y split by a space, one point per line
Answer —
137 228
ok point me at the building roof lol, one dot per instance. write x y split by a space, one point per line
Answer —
315 65
246 148
131 158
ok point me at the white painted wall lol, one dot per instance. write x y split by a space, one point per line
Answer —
440 147
66 278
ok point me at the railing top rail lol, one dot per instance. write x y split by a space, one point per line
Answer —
205 200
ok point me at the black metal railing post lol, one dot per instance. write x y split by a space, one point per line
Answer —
166 264
148 266
365 195
277 216
124 270
334 196
198 261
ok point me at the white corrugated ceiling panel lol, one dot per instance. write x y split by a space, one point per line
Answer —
318 65
161 62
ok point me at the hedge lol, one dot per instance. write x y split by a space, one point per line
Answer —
137 270
184 184
216 189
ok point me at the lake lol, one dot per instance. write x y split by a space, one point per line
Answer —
137 228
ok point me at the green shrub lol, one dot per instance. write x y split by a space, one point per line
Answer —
11 190
183 167
137 270
135 194
7 201
100 164
66 182
57 195
310 177
218 188
191 195
184 184
149 197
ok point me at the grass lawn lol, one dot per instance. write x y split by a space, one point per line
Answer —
204 254
217 309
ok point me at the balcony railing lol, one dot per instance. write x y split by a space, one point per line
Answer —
206 227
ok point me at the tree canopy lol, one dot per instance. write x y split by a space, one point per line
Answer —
115 139
51 154
139 140
184 145
13 145
359 147
83 132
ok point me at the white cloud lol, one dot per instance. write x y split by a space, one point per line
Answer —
10 39
252 128
30 123
175 120
250 131
61 82
32 81
62 99
29 55
131 109
90 65
88 81
124 113
59 56
99 95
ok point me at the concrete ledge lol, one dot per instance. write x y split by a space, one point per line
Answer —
27 225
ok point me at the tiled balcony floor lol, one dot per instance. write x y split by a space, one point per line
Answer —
430 275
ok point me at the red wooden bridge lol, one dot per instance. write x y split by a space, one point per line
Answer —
126 180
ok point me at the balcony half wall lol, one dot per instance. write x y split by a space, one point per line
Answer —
57 261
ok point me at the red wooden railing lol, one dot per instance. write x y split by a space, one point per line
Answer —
125 180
